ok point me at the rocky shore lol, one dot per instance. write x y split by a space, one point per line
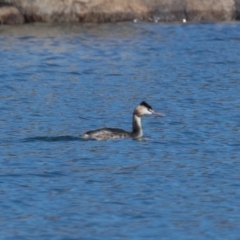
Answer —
98 11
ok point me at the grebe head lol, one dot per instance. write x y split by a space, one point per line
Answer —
145 109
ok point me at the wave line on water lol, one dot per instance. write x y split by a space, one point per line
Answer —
51 139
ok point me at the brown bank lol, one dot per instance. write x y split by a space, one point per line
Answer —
25 11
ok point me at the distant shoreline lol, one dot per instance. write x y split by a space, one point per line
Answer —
100 11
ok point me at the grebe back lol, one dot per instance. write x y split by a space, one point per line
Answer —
114 133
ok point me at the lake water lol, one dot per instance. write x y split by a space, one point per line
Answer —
181 181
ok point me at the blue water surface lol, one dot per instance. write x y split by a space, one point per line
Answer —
181 181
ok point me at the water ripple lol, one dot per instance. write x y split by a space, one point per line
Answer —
181 181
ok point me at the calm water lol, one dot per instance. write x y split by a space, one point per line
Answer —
181 181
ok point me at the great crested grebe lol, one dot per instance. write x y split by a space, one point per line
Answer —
114 133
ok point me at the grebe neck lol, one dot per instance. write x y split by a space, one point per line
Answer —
136 127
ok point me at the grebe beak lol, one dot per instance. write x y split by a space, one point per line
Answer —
157 113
